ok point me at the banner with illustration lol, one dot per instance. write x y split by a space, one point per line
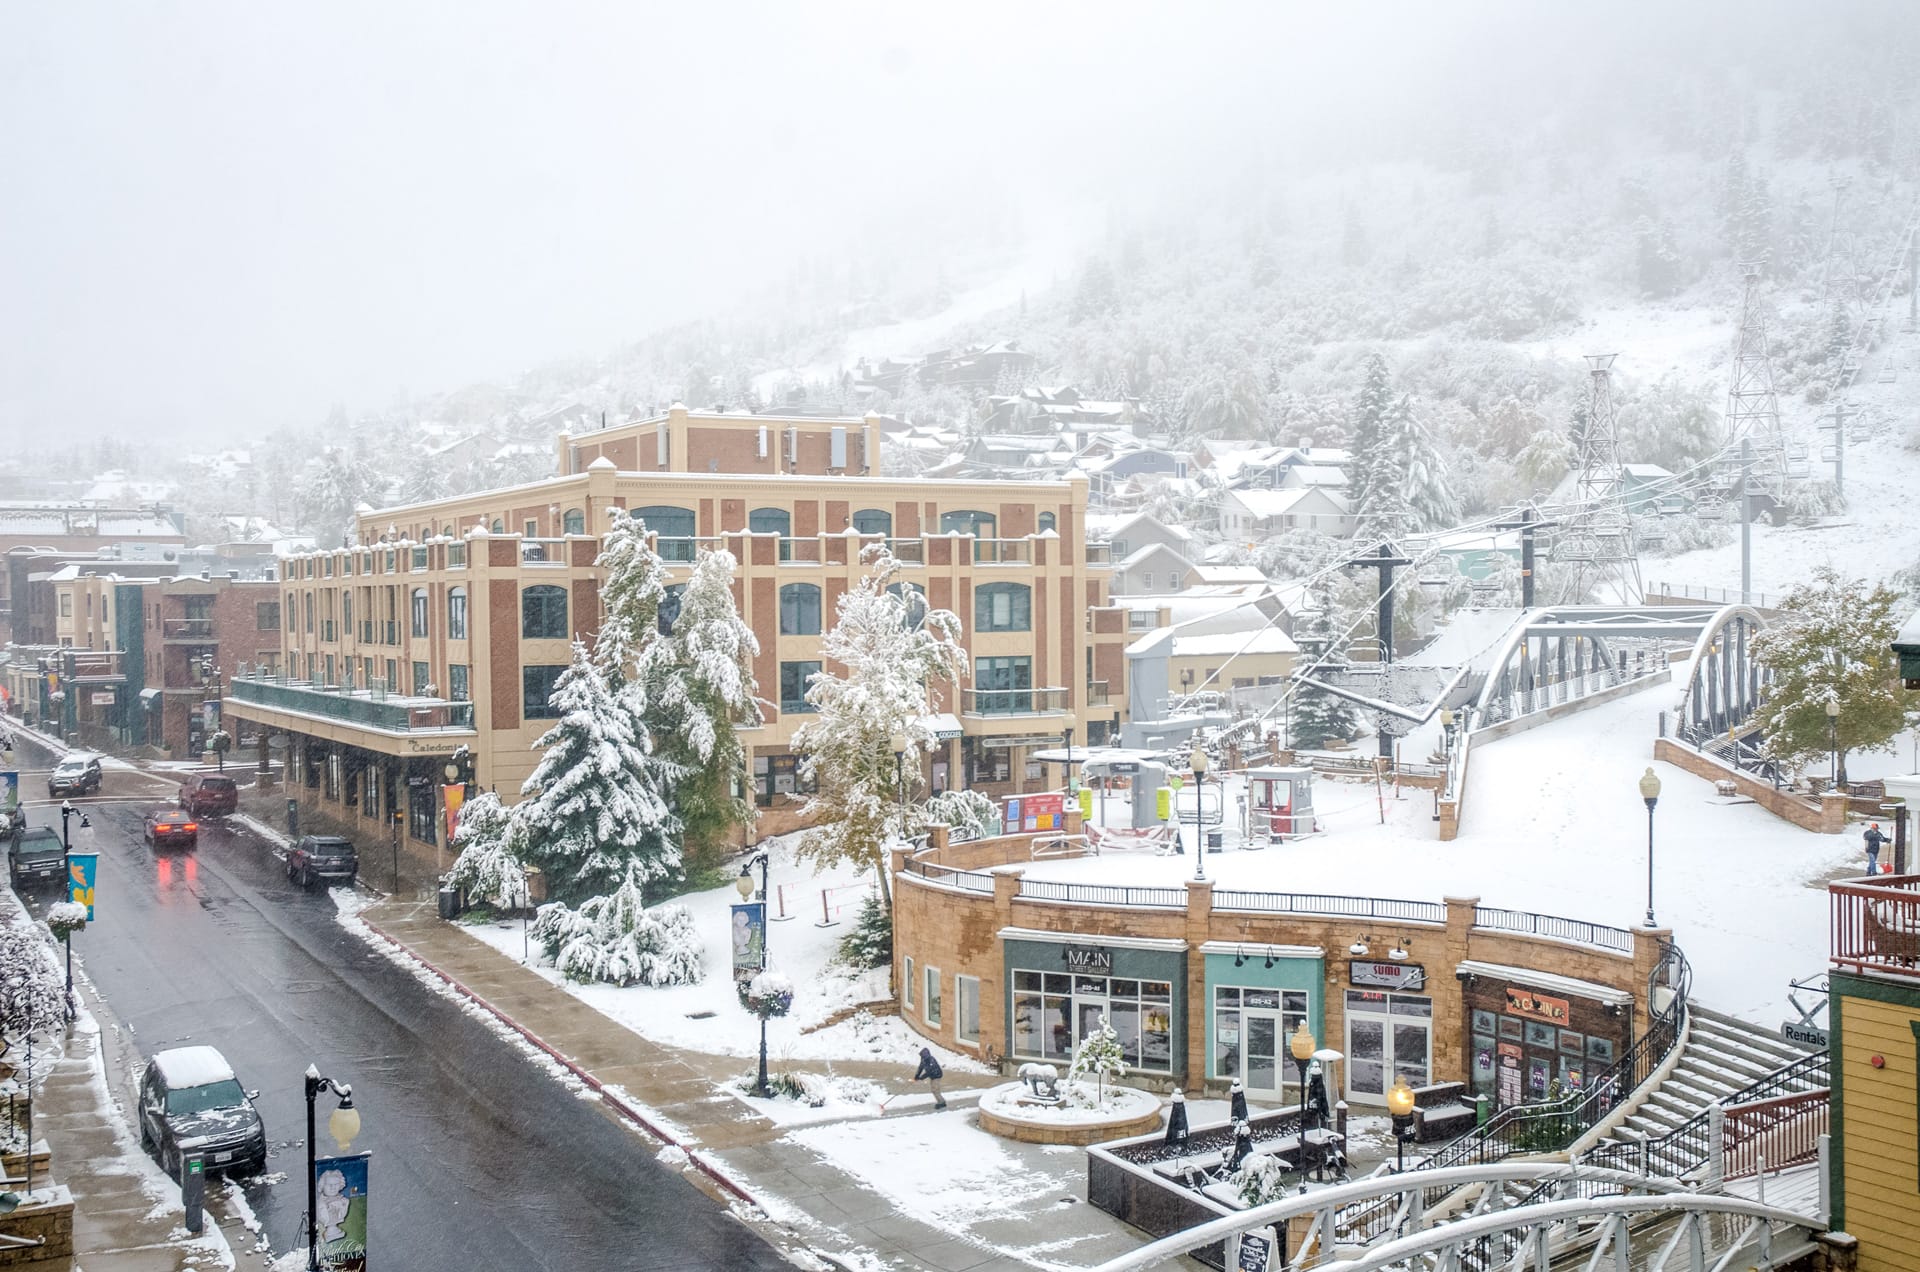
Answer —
340 1183
81 868
453 797
749 939
9 791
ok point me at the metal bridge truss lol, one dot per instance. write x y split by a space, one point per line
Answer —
1463 1219
1725 686
1567 652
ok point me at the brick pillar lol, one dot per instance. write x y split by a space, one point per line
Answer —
995 1012
937 839
1199 924
1833 812
1449 997
1647 943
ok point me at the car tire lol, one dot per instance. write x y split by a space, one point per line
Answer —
146 1136
293 876
170 1162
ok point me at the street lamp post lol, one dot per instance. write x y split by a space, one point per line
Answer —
1650 791
1400 1105
1833 739
1198 763
343 1124
1301 1047
86 845
744 886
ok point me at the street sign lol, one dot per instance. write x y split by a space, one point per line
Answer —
1804 1034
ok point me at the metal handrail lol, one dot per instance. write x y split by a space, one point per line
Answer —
1554 928
971 880
1101 894
1686 1146
1336 906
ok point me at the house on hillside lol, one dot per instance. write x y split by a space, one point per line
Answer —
1248 514
1151 567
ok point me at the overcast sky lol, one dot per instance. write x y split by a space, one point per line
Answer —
217 218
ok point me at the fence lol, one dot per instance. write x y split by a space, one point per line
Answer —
971 880
1687 1146
1336 906
1619 940
1678 593
1773 1134
1101 894
1876 926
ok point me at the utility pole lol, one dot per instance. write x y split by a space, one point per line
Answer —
1746 521
1840 445
1526 523
1384 560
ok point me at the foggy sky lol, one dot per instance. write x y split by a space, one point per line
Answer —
218 218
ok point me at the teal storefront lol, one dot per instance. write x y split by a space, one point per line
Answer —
1257 995
1060 984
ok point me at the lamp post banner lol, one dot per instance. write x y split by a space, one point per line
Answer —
749 939
81 868
453 797
9 791
341 1212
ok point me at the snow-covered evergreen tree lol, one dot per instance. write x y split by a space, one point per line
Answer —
1367 422
970 814
699 691
595 813
1834 644
1318 717
892 665
616 938
1430 496
633 583
870 943
490 839
1098 1056
33 997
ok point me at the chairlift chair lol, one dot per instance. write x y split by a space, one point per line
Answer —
1577 547
1796 450
1829 454
1433 578
1798 470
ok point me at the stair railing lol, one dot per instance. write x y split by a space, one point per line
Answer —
1687 1146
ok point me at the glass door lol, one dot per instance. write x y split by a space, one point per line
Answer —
1366 1057
1262 1053
1086 1017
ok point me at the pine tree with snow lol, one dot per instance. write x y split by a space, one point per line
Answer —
1430 497
633 583
1367 423
1316 716
1839 337
1098 1056
870 943
617 939
892 665
594 811
33 997
700 691
490 838
1833 643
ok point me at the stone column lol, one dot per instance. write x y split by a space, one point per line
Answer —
1199 924
995 1010
1647 945
1449 996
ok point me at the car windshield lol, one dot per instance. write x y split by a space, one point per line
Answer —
204 1099
71 766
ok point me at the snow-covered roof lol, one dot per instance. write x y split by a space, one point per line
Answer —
1279 503
1268 640
1645 472
1141 554
1317 475
1229 574
1103 527
192 1067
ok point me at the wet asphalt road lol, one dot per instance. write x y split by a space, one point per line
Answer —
480 1160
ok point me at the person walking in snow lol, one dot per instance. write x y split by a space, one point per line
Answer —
931 1071
1874 839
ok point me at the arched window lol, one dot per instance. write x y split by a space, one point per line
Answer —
1003 607
981 525
915 597
1048 522
873 521
457 614
543 613
773 521
800 610
673 529
419 611
499 526
574 521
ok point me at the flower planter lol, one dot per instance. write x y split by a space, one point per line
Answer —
1009 1112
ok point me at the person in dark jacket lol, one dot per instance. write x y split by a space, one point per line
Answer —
1874 839
931 1071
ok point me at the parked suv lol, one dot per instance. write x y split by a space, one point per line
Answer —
78 774
190 1096
38 857
209 795
327 857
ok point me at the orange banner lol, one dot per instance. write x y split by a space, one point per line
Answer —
453 798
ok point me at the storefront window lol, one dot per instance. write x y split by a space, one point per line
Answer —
420 809
1388 1036
1052 1011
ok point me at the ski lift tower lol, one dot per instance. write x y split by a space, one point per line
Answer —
1753 406
1595 546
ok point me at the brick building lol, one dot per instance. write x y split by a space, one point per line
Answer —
68 528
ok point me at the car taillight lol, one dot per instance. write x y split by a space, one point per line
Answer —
191 826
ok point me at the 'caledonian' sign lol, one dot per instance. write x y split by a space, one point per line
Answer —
1083 958
1525 1002
1404 976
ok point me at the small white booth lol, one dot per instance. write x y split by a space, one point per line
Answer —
1280 800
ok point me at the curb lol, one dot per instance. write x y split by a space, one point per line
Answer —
612 1101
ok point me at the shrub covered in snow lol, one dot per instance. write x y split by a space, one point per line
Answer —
615 938
489 868
870 943
1261 1179
970 814
1098 1056
33 997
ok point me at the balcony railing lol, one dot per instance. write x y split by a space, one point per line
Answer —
543 551
1876 926
186 629
1012 702
1099 554
356 706
1097 695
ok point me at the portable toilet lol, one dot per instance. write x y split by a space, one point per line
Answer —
1282 799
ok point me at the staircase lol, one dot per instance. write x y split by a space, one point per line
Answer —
1724 1059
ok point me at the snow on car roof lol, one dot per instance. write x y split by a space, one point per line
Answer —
192 1067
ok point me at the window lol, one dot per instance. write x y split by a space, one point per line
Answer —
966 993
266 616
532 528
932 1013
419 604
1118 550
1003 607
1146 581
1003 686
457 614
422 680
573 521
800 610
794 677
915 598
873 521
1173 581
978 524
499 526
673 529
457 681
670 607
1048 522
543 613
536 692
907 980
773 521
1047 1007
306 601
66 604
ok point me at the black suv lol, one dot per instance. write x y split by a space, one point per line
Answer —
190 1102
37 857
327 857
75 775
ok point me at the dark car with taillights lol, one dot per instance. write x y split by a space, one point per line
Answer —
172 828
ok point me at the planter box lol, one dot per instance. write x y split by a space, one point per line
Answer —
14 1165
50 1220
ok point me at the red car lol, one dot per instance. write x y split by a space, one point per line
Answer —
171 827
209 795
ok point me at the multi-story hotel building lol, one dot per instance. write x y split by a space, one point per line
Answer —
442 635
